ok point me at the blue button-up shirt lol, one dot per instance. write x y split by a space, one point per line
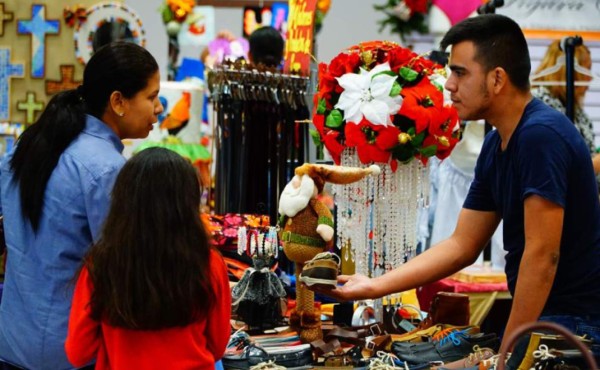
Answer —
40 267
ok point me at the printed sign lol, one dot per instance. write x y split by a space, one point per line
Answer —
300 37
555 18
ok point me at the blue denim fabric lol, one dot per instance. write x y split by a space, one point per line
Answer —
40 267
580 325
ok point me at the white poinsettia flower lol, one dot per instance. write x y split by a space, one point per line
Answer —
368 95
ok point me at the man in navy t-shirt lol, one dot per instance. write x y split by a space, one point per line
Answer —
534 172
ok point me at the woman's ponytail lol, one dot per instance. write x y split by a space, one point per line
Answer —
41 145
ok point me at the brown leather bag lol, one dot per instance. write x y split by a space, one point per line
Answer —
448 308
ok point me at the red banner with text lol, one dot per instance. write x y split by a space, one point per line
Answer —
299 43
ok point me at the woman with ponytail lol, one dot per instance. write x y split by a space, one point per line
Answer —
55 193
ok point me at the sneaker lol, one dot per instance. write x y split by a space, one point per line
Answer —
478 356
451 348
287 356
384 361
403 348
321 270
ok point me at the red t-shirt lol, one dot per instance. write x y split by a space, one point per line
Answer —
196 346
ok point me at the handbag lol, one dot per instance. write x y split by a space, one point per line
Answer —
257 296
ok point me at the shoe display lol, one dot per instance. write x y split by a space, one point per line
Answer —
402 348
321 270
451 348
474 359
418 336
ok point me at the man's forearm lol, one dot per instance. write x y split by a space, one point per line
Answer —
440 261
536 275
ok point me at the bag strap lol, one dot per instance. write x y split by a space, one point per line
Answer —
529 327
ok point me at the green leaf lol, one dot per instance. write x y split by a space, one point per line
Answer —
396 89
322 107
388 73
408 74
314 134
316 138
411 131
429 151
403 153
166 13
418 140
334 119
438 86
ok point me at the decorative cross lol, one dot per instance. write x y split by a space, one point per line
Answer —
4 17
66 81
7 71
38 27
30 106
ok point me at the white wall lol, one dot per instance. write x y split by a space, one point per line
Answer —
156 35
348 23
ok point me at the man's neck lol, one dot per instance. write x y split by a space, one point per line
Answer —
507 114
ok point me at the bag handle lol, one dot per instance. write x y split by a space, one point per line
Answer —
529 327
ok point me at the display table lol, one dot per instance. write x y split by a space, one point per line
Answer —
481 295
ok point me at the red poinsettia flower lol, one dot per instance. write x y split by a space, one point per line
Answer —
319 122
373 142
417 6
421 65
422 103
399 57
444 144
344 63
445 123
327 85
331 140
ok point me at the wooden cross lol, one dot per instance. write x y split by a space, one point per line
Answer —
4 17
66 82
7 71
38 27
30 106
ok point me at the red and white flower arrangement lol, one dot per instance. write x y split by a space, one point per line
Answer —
387 102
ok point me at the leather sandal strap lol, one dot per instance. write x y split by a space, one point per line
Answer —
345 336
379 343
371 329
320 347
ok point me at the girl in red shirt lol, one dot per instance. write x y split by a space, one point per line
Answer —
151 293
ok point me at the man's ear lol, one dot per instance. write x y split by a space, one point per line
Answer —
500 79
118 103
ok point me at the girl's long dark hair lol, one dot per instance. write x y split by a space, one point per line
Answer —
120 66
150 268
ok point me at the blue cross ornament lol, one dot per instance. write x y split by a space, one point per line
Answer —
38 27
7 71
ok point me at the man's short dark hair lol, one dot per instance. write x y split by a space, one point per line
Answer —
499 42
266 46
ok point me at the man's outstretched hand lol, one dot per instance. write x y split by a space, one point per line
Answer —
354 287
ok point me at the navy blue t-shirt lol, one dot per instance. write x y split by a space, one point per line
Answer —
545 156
